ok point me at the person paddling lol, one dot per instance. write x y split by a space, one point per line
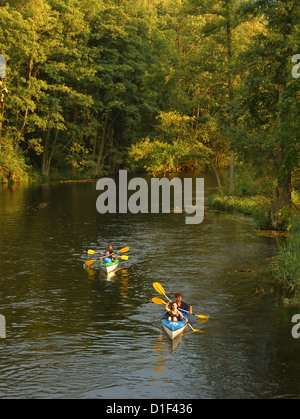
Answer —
107 258
112 254
182 305
109 253
173 314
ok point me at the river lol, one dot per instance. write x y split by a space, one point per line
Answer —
76 333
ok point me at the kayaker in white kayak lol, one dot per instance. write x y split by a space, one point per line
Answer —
109 254
107 258
112 254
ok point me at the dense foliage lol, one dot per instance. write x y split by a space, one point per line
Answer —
286 267
160 85
91 86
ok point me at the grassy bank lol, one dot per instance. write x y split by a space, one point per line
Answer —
286 267
257 207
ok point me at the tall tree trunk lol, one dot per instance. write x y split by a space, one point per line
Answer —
217 174
45 154
230 96
48 154
1 119
287 190
102 142
95 144
283 190
20 131
232 174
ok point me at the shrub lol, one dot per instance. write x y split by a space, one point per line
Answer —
286 268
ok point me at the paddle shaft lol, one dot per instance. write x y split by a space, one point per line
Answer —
90 262
160 289
123 250
200 316
160 301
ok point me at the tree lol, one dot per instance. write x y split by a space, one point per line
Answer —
268 107
223 32
175 148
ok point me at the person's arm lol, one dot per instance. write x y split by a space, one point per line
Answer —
188 309
182 317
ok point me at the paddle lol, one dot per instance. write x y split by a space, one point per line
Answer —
159 288
92 252
157 300
123 250
160 301
90 262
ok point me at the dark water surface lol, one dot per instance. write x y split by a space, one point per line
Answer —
72 332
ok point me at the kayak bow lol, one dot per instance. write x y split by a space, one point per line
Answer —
173 328
110 267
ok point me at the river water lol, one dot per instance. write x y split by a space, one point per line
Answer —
76 333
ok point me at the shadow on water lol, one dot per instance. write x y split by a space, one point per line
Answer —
74 332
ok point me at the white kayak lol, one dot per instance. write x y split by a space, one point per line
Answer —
110 267
173 328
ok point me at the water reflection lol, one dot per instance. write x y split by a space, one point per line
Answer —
166 344
120 274
77 332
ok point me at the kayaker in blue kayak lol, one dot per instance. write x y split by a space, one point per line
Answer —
182 305
173 314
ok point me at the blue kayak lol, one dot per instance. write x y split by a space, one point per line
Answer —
172 328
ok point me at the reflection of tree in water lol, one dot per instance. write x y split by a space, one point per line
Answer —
124 276
163 347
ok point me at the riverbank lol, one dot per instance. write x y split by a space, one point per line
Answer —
285 268
62 351
258 207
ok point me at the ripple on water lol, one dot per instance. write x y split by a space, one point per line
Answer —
71 333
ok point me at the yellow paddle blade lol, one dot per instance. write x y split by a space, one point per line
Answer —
91 252
124 257
201 316
157 300
89 262
199 331
159 288
195 330
124 250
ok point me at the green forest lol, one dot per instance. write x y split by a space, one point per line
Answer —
159 86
